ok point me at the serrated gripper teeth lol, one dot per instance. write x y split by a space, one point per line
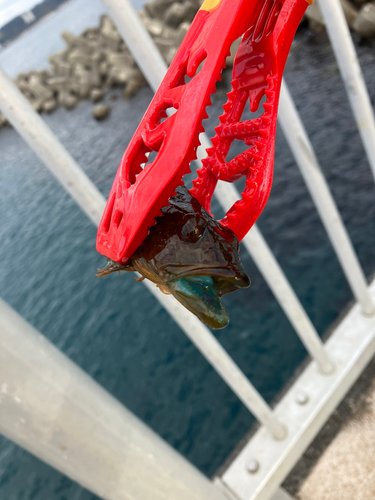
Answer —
257 157
235 84
270 93
227 107
232 214
267 107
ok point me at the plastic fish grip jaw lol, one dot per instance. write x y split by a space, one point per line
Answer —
141 189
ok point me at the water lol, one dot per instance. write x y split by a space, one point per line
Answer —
112 327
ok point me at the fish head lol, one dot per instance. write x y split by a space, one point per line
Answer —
191 256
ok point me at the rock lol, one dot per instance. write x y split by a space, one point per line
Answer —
49 105
59 66
67 100
91 33
85 78
35 88
103 68
364 25
78 56
156 9
119 73
135 82
181 32
167 48
101 111
68 37
153 26
109 33
197 3
3 120
96 94
178 13
315 18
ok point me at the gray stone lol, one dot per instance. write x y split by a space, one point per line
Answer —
156 9
364 25
3 120
178 13
109 33
101 111
135 82
35 88
96 94
59 65
49 105
66 99
153 26
181 32
85 77
167 48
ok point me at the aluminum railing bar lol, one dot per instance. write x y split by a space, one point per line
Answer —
36 130
280 286
308 164
40 138
351 73
122 14
52 408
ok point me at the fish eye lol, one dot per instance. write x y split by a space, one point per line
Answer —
191 231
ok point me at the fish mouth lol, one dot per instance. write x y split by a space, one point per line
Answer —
201 294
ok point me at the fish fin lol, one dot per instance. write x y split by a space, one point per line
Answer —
112 267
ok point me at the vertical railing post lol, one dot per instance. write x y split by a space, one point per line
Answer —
351 73
307 162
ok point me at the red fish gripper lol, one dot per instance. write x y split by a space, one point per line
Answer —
141 189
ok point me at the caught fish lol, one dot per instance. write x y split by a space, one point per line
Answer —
189 255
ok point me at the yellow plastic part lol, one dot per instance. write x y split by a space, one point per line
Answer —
210 4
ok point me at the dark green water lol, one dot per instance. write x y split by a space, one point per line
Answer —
116 331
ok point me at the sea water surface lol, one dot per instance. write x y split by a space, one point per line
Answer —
112 327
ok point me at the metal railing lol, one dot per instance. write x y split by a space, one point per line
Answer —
131 462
